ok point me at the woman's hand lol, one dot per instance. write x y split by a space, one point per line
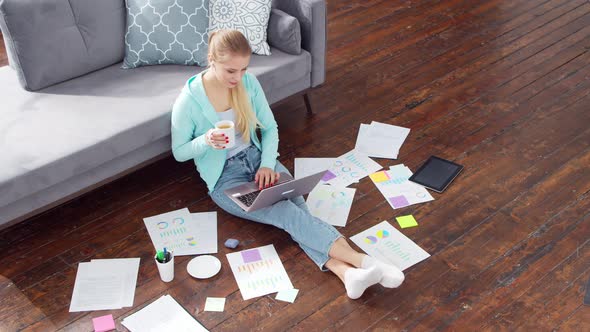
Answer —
216 140
266 177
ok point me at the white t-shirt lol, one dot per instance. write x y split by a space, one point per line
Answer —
241 143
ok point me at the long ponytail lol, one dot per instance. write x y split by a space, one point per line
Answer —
223 44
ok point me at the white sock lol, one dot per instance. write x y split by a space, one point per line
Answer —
356 281
392 275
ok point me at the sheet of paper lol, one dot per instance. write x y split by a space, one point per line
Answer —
206 232
373 146
397 190
128 268
288 295
309 166
406 221
162 315
350 168
259 271
387 244
215 304
331 204
97 288
381 140
183 232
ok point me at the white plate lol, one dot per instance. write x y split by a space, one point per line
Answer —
203 267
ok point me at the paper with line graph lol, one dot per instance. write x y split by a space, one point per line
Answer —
183 232
259 271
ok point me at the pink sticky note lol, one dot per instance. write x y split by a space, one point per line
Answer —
103 323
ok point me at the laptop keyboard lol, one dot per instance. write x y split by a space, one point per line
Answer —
248 199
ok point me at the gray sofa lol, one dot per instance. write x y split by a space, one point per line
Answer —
63 140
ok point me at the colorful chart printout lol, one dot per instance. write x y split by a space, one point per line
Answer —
350 168
397 190
259 271
331 204
183 232
387 244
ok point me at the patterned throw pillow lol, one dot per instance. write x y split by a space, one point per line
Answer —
166 32
250 17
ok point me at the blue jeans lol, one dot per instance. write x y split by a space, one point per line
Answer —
313 235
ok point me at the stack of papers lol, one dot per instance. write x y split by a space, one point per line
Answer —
183 232
381 140
104 284
398 191
162 315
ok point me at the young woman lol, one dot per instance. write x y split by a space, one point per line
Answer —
226 91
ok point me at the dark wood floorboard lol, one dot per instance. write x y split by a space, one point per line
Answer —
502 87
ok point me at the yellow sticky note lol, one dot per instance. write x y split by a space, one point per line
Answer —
406 221
379 177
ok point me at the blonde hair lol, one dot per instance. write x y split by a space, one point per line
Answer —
223 44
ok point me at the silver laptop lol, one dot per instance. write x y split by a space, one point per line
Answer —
250 198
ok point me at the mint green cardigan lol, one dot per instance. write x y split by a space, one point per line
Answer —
193 115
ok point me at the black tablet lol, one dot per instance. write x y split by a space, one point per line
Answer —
436 173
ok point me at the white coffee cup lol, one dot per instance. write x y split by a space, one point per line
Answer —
166 270
228 128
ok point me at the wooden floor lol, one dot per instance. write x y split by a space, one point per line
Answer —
501 87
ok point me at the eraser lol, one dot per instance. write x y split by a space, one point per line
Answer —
232 243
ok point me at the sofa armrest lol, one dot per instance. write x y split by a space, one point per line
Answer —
311 15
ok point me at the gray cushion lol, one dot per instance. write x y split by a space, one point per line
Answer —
284 32
311 15
250 17
166 32
70 128
54 40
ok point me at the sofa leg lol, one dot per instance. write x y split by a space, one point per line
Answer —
307 104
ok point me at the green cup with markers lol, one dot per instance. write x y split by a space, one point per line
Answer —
165 262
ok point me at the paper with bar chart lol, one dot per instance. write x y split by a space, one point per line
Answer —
397 189
389 245
259 271
183 232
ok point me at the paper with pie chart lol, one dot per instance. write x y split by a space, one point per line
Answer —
259 271
183 232
386 243
331 204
